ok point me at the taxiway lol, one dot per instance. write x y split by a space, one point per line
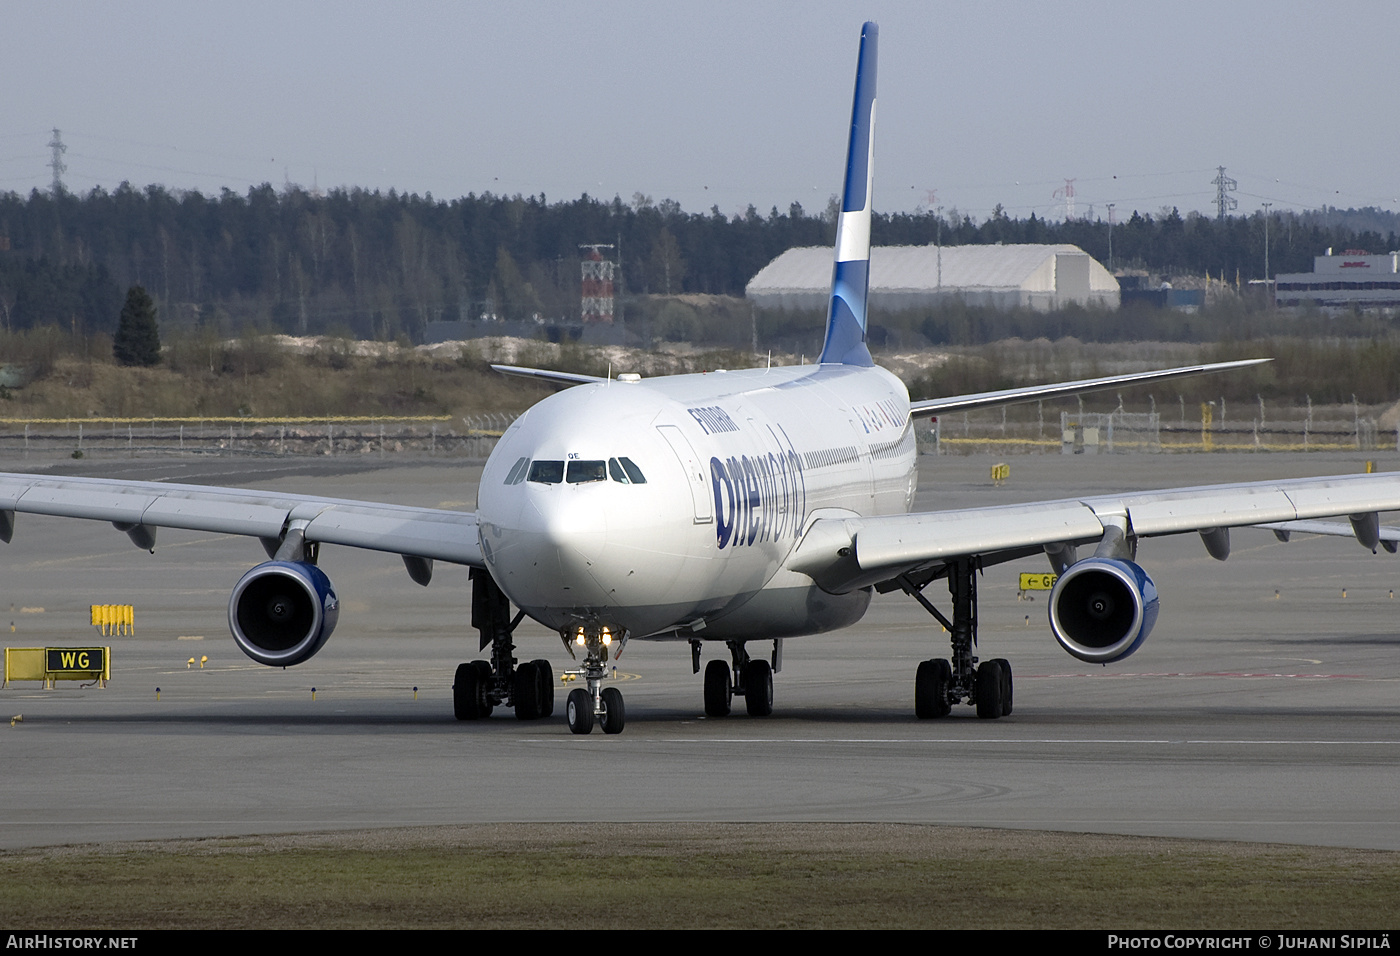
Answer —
1265 706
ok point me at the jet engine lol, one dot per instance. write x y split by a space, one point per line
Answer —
282 612
1102 609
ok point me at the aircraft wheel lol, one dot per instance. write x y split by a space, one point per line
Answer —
544 676
614 713
758 688
579 710
990 681
719 692
484 677
1006 686
526 693
467 693
931 689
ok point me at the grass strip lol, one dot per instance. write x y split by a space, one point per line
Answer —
758 875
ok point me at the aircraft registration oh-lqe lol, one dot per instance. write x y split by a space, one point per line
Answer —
741 507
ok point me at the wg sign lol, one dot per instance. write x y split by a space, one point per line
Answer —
84 660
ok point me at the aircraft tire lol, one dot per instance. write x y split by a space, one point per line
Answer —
614 713
579 710
484 676
466 693
931 689
544 676
719 691
1005 686
990 681
526 693
758 688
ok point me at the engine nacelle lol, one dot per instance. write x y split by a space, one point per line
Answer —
1102 609
282 612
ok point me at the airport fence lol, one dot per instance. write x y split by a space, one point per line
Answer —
446 436
434 436
1122 432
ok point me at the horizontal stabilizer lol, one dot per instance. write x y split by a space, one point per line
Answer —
1032 393
549 375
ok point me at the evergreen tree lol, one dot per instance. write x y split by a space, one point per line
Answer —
137 341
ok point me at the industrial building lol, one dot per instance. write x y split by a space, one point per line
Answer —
1040 277
1355 279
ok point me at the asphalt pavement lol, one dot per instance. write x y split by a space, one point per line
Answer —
1264 706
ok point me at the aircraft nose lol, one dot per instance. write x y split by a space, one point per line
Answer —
550 557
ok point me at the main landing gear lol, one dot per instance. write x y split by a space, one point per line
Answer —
604 704
480 686
939 684
749 678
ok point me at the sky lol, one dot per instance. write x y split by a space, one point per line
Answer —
720 104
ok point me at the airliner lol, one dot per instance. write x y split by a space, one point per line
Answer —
738 508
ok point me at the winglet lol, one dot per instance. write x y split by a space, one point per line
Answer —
850 278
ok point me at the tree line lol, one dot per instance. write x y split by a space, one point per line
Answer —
386 265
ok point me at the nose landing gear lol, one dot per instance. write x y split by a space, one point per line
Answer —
595 701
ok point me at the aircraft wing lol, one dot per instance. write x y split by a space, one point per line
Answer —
1387 538
842 553
1031 393
139 507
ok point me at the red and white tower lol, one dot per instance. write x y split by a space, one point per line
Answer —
597 305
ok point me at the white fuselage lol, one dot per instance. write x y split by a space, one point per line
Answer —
735 464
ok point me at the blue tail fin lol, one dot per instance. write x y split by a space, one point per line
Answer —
850 279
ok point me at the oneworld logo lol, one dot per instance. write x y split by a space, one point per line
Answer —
757 499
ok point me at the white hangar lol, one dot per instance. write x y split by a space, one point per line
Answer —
1041 277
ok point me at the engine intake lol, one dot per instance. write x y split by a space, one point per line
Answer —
1102 609
282 612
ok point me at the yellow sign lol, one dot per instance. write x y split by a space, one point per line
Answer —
85 659
114 619
49 664
1000 472
1038 582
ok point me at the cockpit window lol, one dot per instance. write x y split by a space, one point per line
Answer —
547 472
624 472
581 471
620 469
517 473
